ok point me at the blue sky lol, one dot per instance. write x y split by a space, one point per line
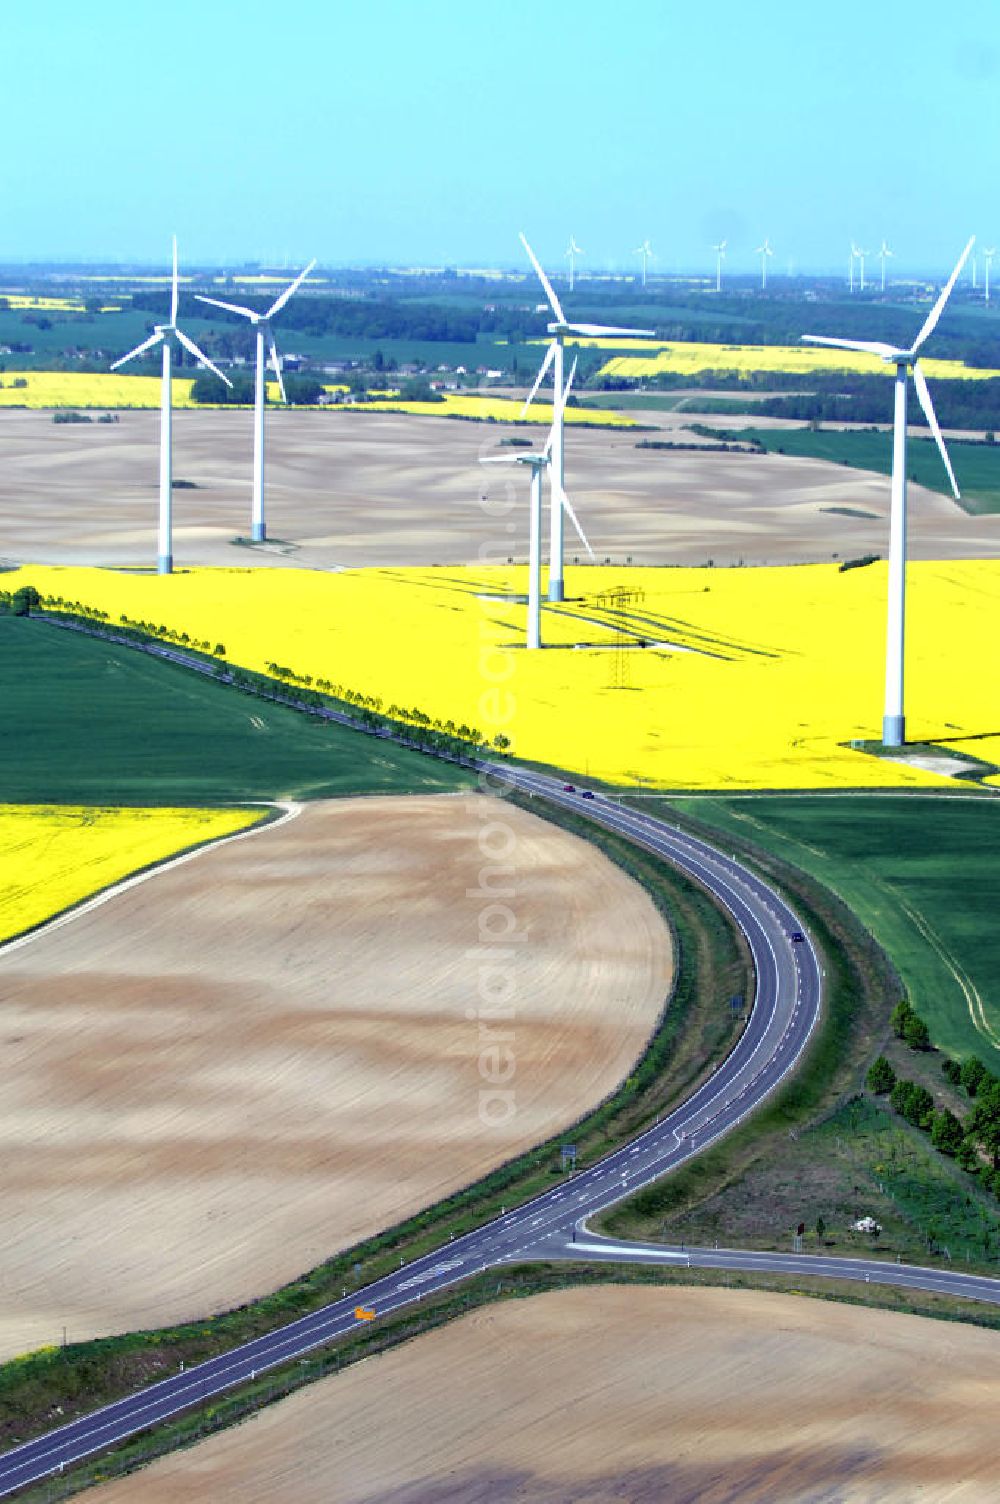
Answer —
431 133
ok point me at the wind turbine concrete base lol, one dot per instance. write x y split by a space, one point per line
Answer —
556 591
164 563
893 734
258 533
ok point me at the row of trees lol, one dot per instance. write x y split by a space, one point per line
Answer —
285 685
974 1142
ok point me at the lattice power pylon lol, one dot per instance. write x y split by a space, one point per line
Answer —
615 602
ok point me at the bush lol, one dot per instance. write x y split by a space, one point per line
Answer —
946 1132
900 1014
972 1073
913 1102
916 1033
952 1071
881 1076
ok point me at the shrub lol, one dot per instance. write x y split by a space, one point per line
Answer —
881 1076
916 1033
900 1014
952 1071
946 1132
972 1072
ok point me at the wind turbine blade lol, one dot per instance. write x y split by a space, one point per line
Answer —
247 313
549 291
189 344
280 302
938 308
595 330
924 397
173 288
869 346
568 508
569 384
147 344
542 372
276 363
499 459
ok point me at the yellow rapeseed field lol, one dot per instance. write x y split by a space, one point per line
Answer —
749 679
82 389
693 359
497 409
54 856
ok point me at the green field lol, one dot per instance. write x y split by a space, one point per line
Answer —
921 872
88 722
977 466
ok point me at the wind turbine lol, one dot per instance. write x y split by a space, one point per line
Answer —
850 264
856 250
261 323
905 361
882 255
763 251
720 256
555 357
572 251
537 463
988 255
646 252
162 335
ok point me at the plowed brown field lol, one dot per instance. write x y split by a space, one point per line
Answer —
218 1078
651 1396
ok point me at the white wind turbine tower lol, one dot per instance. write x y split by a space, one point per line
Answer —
905 361
883 254
850 264
162 335
261 323
860 253
763 251
572 251
646 252
555 357
988 254
720 256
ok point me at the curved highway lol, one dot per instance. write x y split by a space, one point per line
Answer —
785 1009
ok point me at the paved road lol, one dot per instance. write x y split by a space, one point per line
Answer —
785 1009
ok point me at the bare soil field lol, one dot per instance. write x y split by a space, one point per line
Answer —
350 489
217 1079
647 1395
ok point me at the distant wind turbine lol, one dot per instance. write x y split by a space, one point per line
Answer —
905 361
646 252
720 256
162 334
987 259
261 323
555 356
858 251
883 254
572 251
763 251
850 264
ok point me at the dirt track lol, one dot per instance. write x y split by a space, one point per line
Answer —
381 488
220 1077
690 1396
